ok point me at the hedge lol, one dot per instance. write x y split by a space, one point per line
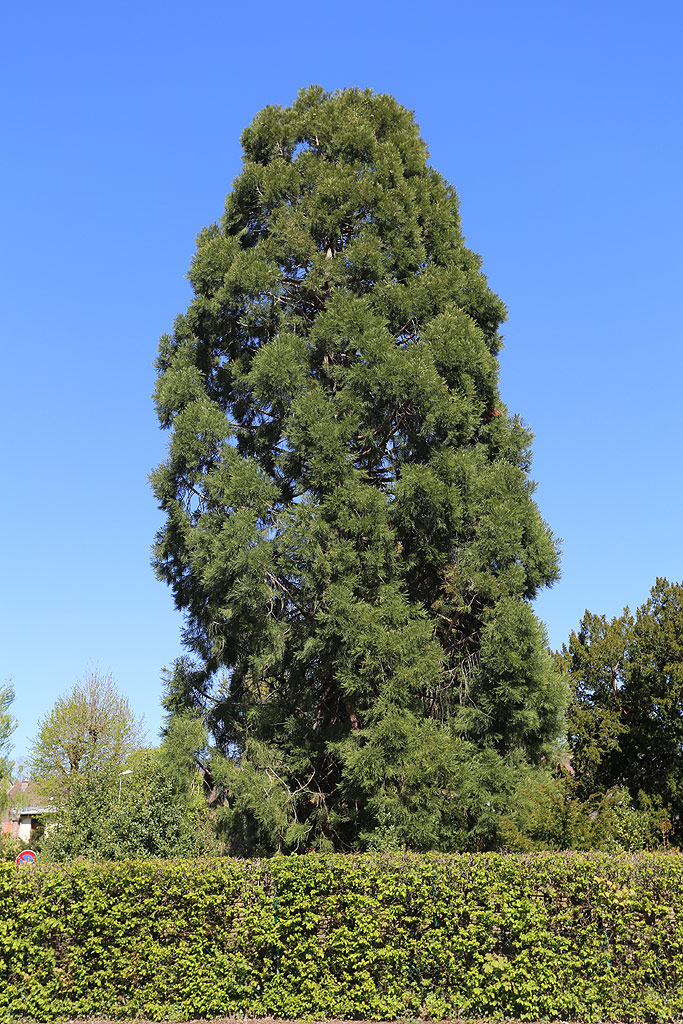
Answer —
566 936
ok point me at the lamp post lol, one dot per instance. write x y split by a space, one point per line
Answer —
128 771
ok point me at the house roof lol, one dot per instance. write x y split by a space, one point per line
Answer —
24 798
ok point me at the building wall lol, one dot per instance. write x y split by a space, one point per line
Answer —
24 828
19 828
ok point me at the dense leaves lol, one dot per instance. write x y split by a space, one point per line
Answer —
548 813
143 814
350 529
377 937
626 717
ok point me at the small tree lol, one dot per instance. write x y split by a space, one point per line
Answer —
93 728
159 809
7 726
548 815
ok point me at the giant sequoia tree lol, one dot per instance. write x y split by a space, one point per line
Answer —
350 529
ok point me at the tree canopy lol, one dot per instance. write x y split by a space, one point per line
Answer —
350 526
92 727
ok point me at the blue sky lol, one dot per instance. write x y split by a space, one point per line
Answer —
559 125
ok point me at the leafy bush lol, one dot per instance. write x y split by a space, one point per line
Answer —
548 814
150 813
10 848
377 936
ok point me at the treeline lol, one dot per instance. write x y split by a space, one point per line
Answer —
613 780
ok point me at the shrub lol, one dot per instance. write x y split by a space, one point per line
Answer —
377 936
10 848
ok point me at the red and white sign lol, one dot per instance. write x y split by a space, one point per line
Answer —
26 857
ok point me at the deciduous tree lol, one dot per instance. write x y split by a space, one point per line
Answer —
152 814
7 726
93 727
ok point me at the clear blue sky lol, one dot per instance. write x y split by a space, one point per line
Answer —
559 125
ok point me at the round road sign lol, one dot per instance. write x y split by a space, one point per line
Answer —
26 857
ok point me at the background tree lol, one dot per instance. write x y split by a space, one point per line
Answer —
93 728
595 660
626 716
350 528
7 726
652 744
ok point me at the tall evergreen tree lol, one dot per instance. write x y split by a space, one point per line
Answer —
350 528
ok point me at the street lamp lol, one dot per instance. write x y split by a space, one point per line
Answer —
128 771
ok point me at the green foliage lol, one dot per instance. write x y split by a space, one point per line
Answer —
377 937
92 729
350 527
547 813
625 726
10 848
638 825
7 726
652 745
152 812
594 661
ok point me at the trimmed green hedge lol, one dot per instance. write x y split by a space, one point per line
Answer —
571 936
